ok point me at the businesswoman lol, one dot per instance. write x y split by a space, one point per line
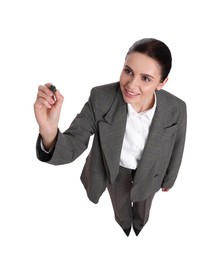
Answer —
139 134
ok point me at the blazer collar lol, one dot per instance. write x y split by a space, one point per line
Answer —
164 110
117 109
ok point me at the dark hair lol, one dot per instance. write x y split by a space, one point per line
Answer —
156 50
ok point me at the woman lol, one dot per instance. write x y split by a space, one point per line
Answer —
139 134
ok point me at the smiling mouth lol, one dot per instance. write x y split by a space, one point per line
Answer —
130 94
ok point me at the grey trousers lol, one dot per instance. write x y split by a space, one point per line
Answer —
126 212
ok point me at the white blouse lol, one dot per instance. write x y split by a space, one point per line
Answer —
136 134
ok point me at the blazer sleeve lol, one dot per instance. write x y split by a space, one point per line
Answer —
177 153
74 141
41 154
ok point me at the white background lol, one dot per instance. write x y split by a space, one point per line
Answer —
44 210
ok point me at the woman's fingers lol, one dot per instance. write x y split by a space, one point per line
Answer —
58 100
42 102
45 97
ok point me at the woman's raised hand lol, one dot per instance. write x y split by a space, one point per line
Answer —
47 108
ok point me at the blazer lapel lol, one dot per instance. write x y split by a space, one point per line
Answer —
111 131
161 130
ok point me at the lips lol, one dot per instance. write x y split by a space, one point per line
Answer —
130 94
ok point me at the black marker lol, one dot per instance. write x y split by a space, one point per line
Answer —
53 88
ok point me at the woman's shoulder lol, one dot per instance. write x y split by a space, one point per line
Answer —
170 99
107 89
105 94
102 97
171 104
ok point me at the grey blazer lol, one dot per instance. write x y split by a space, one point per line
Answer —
104 116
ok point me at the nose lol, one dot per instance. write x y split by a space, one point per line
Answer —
133 83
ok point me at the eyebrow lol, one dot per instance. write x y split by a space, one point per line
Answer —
142 74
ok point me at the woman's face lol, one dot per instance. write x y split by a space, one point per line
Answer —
139 79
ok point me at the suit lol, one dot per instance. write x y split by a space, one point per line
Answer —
104 115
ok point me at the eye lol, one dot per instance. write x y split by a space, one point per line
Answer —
127 71
145 78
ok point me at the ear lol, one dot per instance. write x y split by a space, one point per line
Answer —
161 85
